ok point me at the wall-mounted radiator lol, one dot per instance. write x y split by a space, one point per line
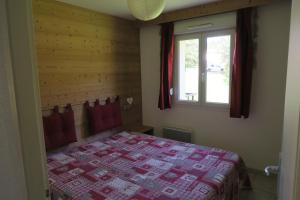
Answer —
178 134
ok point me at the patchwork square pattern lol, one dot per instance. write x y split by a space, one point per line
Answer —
126 166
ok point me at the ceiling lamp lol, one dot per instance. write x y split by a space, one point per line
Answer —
146 9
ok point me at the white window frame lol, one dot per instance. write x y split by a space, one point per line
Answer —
202 37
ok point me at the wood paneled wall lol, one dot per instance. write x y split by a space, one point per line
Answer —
83 55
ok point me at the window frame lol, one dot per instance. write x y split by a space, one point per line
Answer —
202 82
177 66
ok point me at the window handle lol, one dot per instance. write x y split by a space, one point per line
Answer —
171 91
203 77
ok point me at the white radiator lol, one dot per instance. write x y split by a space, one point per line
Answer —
178 134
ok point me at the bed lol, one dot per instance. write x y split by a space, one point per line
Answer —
128 166
134 166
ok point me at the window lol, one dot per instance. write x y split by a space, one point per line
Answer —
189 69
204 66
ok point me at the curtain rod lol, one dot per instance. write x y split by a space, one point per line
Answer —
206 10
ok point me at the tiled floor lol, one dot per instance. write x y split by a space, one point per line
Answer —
264 188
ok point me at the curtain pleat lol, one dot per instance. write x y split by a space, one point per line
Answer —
166 72
243 62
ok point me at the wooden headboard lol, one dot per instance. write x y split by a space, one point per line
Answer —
84 55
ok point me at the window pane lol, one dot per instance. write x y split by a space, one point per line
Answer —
189 70
218 69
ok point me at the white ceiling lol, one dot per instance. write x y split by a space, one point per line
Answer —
119 7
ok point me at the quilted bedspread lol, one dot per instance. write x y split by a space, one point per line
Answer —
127 166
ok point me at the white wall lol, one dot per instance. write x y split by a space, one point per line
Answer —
290 174
12 178
19 15
257 139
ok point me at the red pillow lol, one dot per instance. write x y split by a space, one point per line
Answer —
53 128
104 117
107 116
59 129
116 113
97 123
69 125
46 137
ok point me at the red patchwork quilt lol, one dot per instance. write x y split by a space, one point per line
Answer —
126 166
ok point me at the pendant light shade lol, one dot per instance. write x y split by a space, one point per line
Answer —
146 9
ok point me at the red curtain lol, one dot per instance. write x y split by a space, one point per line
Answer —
166 72
242 66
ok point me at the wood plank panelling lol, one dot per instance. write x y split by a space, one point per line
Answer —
83 55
